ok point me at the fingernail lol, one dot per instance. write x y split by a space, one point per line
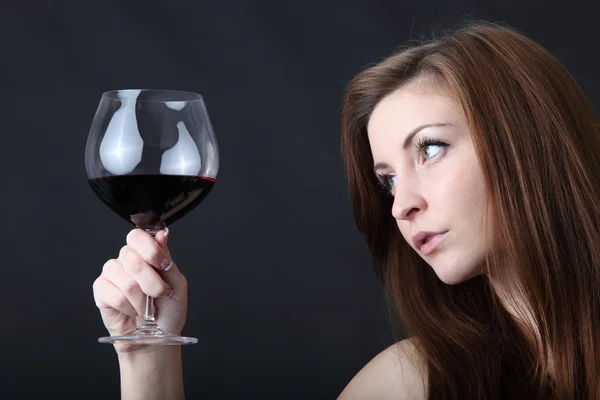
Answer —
166 231
169 294
166 264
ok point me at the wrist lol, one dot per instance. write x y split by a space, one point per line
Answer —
151 372
149 355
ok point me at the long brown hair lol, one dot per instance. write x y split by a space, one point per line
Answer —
537 139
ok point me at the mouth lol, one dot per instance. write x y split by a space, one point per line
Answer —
425 242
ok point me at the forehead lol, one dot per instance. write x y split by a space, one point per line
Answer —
409 107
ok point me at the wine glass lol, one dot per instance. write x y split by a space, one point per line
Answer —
151 156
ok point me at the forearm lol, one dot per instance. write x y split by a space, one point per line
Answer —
152 374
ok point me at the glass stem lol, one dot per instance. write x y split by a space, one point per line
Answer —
149 313
149 318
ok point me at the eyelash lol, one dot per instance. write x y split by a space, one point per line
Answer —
420 146
428 141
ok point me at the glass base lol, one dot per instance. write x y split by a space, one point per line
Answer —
149 336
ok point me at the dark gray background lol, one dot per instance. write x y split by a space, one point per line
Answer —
282 295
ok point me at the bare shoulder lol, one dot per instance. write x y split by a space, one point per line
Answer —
398 372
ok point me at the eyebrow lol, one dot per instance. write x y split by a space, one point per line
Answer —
408 139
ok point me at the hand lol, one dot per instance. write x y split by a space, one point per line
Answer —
144 267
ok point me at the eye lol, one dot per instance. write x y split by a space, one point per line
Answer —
387 182
429 147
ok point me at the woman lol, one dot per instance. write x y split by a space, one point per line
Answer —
473 170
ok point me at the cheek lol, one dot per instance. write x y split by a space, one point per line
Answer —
449 192
404 227
460 190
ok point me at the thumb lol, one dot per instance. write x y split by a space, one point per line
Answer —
173 276
162 238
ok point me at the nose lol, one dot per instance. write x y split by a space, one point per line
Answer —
407 203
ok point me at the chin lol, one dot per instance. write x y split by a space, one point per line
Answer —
454 276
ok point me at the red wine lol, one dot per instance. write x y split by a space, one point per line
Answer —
149 201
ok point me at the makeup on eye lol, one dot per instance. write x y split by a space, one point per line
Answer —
384 182
424 143
421 144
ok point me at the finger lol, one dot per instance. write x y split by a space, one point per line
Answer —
173 277
113 272
147 248
108 296
162 238
149 281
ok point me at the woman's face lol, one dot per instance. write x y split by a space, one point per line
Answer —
424 155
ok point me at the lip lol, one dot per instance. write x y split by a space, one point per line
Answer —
426 248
